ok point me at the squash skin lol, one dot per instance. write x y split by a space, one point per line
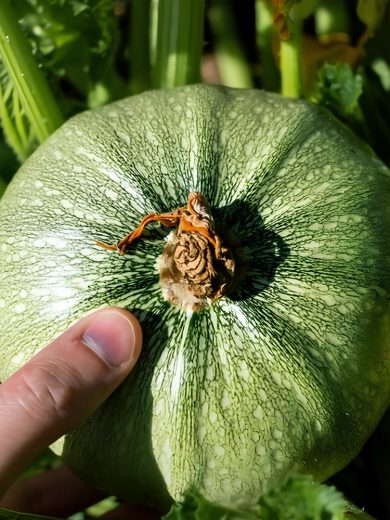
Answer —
292 371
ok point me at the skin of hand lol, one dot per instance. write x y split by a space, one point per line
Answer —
53 393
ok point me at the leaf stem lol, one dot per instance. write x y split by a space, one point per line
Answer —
290 60
177 40
14 140
36 98
139 45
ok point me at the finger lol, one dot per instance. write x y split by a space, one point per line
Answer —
63 384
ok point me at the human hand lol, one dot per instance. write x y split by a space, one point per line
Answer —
53 393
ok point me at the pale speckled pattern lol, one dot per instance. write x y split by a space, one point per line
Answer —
292 371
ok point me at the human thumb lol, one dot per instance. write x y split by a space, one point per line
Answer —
63 384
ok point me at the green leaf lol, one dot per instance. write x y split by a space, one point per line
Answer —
298 498
340 89
301 499
75 43
196 507
63 54
16 127
28 105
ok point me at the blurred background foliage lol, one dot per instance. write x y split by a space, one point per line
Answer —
59 57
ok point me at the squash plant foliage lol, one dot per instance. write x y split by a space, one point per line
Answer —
289 370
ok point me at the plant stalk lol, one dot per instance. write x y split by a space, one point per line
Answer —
177 40
15 135
139 45
290 60
36 98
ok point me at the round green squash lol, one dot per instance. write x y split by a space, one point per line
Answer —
288 372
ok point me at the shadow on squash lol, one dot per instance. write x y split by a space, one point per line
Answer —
258 251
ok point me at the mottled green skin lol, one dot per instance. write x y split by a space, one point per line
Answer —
291 371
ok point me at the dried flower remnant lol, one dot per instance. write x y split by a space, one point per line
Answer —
196 268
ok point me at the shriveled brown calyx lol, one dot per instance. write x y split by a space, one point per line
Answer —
191 275
195 267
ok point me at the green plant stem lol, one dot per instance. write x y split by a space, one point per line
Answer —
270 76
33 91
177 40
16 140
232 64
331 17
139 45
290 60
